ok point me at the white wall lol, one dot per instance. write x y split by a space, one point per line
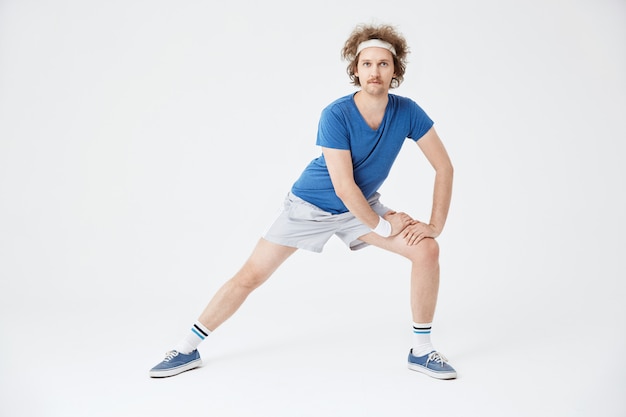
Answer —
145 145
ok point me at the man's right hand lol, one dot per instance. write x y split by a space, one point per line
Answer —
398 221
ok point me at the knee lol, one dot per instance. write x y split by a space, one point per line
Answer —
425 252
249 277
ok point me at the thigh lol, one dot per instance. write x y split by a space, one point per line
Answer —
267 257
397 244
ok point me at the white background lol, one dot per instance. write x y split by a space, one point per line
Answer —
145 145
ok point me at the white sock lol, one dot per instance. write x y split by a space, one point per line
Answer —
190 343
421 339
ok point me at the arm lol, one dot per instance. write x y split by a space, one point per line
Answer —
435 152
339 163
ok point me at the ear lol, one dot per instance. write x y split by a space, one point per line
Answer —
355 70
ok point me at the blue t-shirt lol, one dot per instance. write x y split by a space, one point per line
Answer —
373 152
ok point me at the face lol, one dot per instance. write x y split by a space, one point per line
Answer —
375 70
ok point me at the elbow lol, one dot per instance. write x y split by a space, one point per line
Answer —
344 190
447 169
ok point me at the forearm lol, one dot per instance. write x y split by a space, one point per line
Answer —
353 198
442 196
339 163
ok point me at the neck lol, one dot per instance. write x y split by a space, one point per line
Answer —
371 102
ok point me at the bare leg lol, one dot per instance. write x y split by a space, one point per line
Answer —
424 258
265 259
425 281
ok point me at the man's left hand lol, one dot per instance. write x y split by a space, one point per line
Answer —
416 231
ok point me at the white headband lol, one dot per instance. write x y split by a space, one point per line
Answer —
376 43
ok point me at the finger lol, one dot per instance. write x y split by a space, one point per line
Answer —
422 237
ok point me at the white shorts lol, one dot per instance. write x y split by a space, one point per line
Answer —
302 225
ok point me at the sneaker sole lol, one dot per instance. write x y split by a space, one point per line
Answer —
429 372
175 371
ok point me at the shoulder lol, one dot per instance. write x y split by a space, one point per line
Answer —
340 104
403 102
339 109
407 107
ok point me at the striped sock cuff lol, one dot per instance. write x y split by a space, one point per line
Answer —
199 330
422 328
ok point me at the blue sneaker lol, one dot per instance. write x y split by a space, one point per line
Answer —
433 364
175 363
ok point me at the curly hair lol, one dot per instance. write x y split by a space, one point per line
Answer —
385 33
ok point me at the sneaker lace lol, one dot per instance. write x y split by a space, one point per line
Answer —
170 355
437 358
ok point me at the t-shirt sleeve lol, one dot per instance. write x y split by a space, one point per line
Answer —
420 122
332 131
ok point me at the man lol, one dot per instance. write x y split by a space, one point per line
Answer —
360 136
